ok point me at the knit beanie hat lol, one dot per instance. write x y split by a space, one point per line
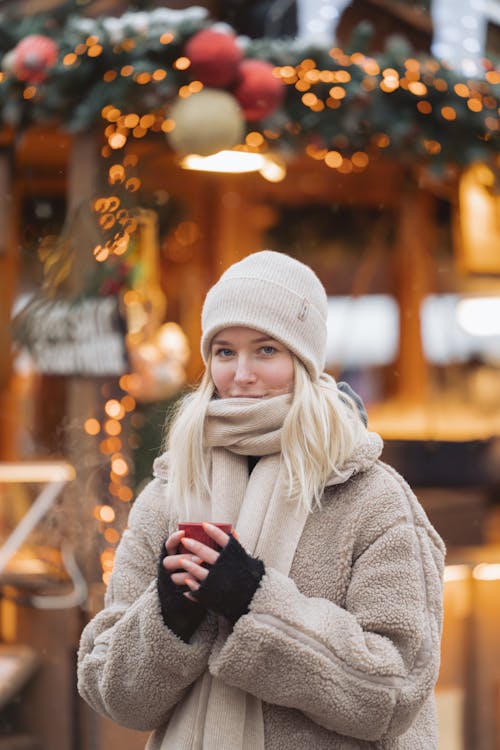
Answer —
276 294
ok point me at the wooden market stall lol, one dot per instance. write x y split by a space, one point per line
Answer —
130 240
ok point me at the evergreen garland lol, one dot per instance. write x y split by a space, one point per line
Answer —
412 106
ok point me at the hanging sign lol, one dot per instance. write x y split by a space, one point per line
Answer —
84 337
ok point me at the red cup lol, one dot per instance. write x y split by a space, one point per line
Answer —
195 530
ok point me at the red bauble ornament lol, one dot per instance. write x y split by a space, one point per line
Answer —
33 56
214 56
258 91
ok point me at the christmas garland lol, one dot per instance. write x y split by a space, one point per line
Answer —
156 68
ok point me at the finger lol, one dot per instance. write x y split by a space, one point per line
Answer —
216 534
172 543
178 578
194 570
207 554
172 562
192 584
190 597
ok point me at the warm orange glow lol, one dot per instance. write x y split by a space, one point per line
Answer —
433 147
371 67
69 59
116 173
312 76
119 466
475 105
389 84
117 140
448 113
487 572
81 49
440 84
461 90
381 140
318 106
29 92
125 494
92 426
342 76
309 99
130 160
146 121
159 74
333 159
418 88
106 514
109 76
95 50
107 557
182 63
315 152
456 573
112 427
254 139
106 577
128 403
424 107
143 78
360 159
127 70
346 167
493 76
111 536
412 64
337 92
114 409
302 86
100 253
168 125
195 86
166 38
112 114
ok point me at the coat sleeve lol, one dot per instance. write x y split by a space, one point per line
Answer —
131 667
363 670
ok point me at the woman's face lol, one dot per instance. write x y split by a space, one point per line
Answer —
250 364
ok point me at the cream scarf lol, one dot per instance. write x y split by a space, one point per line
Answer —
214 715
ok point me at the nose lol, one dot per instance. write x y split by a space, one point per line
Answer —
244 373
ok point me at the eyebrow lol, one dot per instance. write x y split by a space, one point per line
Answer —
259 340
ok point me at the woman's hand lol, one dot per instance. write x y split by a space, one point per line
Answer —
200 553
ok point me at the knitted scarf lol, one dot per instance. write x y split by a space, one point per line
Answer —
214 714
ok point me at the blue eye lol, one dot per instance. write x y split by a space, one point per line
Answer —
223 352
268 350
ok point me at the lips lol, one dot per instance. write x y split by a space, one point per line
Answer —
247 395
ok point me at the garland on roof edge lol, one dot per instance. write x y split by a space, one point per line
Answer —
323 101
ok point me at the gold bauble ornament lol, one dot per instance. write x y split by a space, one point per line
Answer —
205 123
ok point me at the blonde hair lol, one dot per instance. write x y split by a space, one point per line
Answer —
318 436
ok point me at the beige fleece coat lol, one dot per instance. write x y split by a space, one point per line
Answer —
344 653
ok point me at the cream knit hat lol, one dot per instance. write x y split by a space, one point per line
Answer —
276 294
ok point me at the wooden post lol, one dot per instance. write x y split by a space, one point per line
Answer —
414 244
9 262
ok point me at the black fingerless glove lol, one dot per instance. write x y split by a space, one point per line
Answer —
232 581
180 615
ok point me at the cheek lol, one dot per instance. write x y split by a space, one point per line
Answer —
219 374
282 377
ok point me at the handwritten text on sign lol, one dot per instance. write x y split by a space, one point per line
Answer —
77 338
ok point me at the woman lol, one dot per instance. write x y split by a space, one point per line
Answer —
316 624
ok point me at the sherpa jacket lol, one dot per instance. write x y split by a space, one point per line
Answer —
344 653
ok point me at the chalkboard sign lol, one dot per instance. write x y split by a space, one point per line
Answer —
83 337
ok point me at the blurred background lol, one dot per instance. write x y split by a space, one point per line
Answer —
144 148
